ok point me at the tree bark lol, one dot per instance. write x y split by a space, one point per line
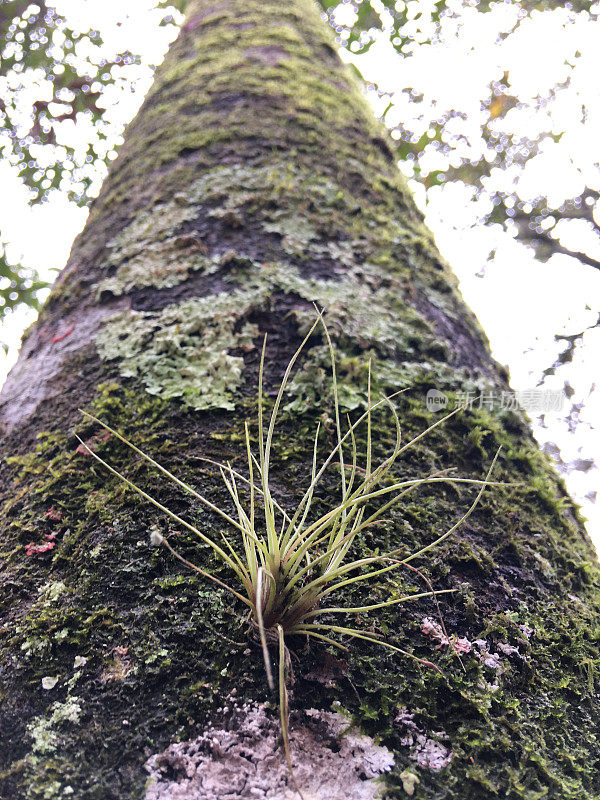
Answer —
253 184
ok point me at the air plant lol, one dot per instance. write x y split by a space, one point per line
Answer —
285 565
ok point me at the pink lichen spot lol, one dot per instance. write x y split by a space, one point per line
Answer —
58 337
434 630
54 514
462 645
31 548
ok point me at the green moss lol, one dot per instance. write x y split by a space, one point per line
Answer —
311 105
172 642
81 633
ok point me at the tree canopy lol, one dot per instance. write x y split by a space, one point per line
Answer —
59 80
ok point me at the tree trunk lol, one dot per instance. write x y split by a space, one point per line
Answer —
253 184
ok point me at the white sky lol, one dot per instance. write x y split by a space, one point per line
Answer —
520 302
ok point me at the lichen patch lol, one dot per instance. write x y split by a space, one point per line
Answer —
149 227
425 749
162 265
184 350
44 730
241 759
148 251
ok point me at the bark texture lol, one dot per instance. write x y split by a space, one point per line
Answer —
253 183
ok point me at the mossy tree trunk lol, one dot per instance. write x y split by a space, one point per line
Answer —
252 184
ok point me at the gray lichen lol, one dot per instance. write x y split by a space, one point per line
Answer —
425 749
241 758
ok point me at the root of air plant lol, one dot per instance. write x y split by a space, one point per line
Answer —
284 566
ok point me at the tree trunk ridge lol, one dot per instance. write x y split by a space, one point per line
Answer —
253 184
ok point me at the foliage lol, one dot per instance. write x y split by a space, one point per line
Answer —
17 285
55 71
57 74
53 79
440 144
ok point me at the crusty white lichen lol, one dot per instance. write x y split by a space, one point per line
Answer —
240 757
426 749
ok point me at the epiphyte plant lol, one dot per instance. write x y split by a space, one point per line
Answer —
286 564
